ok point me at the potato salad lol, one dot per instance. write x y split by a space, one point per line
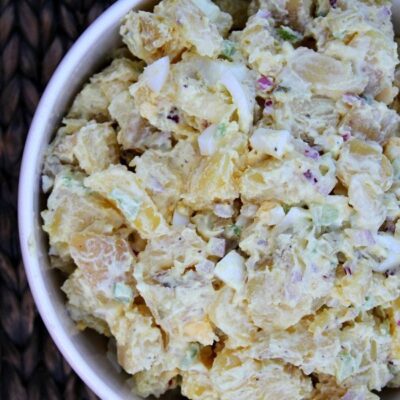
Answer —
223 200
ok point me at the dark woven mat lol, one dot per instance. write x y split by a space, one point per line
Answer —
34 36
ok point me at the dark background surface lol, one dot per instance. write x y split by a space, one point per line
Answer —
34 36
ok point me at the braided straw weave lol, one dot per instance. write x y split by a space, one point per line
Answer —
34 36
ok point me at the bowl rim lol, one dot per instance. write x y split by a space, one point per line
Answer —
27 191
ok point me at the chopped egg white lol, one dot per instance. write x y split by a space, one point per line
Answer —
231 270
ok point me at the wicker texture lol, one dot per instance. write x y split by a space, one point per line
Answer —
34 36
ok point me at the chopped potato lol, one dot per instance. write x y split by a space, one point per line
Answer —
93 101
96 147
124 189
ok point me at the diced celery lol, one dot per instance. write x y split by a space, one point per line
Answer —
228 49
190 355
324 215
286 33
128 205
123 292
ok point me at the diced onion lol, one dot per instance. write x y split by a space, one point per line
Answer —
296 276
263 14
155 185
264 83
353 395
248 210
179 219
351 98
231 270
295 217
47 183
240 99
384 12
364 238
216 247
275 216
312 153
223 210
207 141
208 8
205 267
392 245
156 74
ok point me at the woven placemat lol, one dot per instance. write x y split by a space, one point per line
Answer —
34 36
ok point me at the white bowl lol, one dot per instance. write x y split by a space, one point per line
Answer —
85 352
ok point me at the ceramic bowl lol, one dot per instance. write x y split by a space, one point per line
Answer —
85 351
